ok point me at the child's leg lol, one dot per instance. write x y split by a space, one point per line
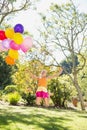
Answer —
46 102
38 100
46 98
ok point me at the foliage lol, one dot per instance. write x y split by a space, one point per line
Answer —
61 92
6 72
29 98
68 64
1 94
22 78
83 77
13 98
10 89
7 8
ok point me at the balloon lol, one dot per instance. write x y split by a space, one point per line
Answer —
14 46
2 35
9 33
6 43
2 48
19 28
11 39
9 60
18 39
23 48
13 54
27 44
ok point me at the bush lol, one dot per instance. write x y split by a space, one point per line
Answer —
13 98
1 94
29 98
10 89
60 93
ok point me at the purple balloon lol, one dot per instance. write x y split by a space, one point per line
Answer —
6 43
19 28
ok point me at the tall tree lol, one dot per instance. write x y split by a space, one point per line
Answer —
22 78
83 78
65 29
8 7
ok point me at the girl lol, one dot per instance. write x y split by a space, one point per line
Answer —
42 92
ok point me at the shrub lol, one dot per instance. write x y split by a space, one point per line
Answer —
10 89
29 98
1 93
13 98
60 93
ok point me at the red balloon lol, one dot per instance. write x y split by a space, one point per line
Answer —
2 35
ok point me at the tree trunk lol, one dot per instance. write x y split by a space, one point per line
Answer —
76 84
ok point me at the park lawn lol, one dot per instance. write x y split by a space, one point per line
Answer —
33 118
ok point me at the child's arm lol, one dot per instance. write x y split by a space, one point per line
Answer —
32 75
56 75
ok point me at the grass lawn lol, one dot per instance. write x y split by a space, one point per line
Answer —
31 118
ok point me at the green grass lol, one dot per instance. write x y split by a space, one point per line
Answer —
31 118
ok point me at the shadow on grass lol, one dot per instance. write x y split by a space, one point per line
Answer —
39 121
65 110
37 118
85 116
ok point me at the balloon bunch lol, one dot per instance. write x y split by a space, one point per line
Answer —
12 40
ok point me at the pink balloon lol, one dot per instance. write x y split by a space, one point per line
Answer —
6 43
27 44
14 46
2 48
23 48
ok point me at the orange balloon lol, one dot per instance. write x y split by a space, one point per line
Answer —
9 60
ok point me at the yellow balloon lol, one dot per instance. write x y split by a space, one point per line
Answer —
13 54
18 39
9 32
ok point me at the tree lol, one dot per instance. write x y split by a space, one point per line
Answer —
65 29
9 7
22 77
67 65
83 78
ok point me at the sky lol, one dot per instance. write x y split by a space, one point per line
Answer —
31 20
